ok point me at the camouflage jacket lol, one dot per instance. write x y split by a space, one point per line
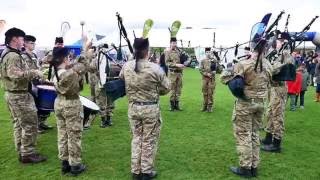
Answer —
256 83
14 71
31 60
205 67
71 79
172 57
147 84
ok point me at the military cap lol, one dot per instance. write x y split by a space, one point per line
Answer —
58 40
284 35
173 39
30 38
13 32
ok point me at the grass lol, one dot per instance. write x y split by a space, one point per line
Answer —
193 144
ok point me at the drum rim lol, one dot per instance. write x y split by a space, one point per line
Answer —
96 108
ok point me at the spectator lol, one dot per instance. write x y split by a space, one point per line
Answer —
304 85
312 71
317 76
294 88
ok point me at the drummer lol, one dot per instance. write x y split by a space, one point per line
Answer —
31 60
68 83
105 104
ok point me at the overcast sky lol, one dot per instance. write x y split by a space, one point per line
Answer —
231 18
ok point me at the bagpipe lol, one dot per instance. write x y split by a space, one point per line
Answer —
116 88
110 63
288 71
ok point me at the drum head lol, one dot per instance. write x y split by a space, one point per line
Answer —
89 104
102 69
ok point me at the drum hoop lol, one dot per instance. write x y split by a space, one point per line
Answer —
89 104
46 87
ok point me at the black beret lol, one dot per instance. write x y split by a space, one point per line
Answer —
247 48
58 40
30 38
207 49
141 44
284 35
15 32
173 39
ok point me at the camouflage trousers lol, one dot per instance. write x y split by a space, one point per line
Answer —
145 123
93 83
43 116
105 104
25 124
247 116
70 126
176 85
208 89
275 111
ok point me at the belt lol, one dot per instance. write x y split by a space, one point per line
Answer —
253 100
176 71
256 100
145 103
68 97
18 91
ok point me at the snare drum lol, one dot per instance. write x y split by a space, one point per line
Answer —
89 108
46 97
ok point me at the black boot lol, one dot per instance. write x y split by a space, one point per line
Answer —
240 171
136 176
254 172
204 107
33 158
65 168
149 176
274 147
177 107
104 122
267 140
78 169
20 157
109 121
172 105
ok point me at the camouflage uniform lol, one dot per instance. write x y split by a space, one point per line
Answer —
247 114
143 90
69 112
208 83
278 98
16 77
105 104
93 80
172 57
32 63
31 60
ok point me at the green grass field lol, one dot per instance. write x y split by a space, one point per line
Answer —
193 144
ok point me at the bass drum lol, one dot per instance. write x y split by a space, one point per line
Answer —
113 67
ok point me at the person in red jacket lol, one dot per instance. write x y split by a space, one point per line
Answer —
294 89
